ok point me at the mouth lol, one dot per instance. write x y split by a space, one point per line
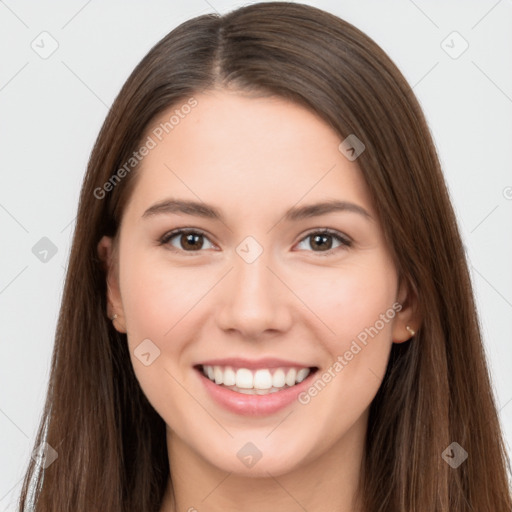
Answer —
255 381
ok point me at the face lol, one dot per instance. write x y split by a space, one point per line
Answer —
254 286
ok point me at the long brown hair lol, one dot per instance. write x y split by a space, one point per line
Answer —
437 390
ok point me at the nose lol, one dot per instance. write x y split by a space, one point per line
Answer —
253 301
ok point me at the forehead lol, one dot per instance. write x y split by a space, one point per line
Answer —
245 152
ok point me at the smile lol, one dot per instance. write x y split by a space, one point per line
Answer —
254 387
260 381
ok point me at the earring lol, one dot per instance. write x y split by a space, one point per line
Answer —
114 317
412 332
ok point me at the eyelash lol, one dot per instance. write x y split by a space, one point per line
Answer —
346 242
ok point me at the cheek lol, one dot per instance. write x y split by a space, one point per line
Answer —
155 295
356 304
350 299
156 299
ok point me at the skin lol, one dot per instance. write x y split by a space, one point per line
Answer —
253 158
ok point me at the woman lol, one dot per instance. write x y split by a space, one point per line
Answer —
268 305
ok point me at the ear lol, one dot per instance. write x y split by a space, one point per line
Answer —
108 256
409 315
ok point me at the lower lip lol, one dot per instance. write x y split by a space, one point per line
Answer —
254 405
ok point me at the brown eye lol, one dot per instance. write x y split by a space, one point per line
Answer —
191 241
185 240
322 241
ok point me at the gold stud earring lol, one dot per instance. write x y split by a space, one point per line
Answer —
412 332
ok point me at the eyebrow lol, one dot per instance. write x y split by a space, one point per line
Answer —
199 209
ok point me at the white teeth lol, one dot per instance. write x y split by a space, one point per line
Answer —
290 377
302 374
229 376
255 391
262 379
278 379
243 378
218 374
261 382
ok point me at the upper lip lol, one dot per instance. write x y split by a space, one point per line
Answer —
266 362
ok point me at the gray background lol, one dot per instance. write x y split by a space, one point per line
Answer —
52 109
